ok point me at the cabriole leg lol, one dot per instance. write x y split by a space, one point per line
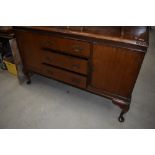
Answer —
124 105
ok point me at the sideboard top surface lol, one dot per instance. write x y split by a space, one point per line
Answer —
136 35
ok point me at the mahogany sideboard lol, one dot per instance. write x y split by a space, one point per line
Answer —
102 60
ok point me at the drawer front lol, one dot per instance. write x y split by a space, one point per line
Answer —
65 76
66 62
69 46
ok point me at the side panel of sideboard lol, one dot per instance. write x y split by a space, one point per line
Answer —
115 70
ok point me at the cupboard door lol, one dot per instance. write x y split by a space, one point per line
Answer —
115 70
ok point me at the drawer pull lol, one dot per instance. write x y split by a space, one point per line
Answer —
49 59
50 72
49 43
77 49
77 81
76 66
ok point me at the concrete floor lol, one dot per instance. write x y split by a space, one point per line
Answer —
50 104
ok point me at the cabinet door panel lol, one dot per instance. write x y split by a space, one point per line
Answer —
115 70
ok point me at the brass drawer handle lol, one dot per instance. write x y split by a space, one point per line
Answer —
49 71
77 49
49 43
76 66
77 81
49 59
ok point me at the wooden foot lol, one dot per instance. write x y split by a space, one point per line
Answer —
27 75
28 82
121 117
124 105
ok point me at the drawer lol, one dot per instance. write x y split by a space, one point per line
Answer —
64 76
69 46
67 62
